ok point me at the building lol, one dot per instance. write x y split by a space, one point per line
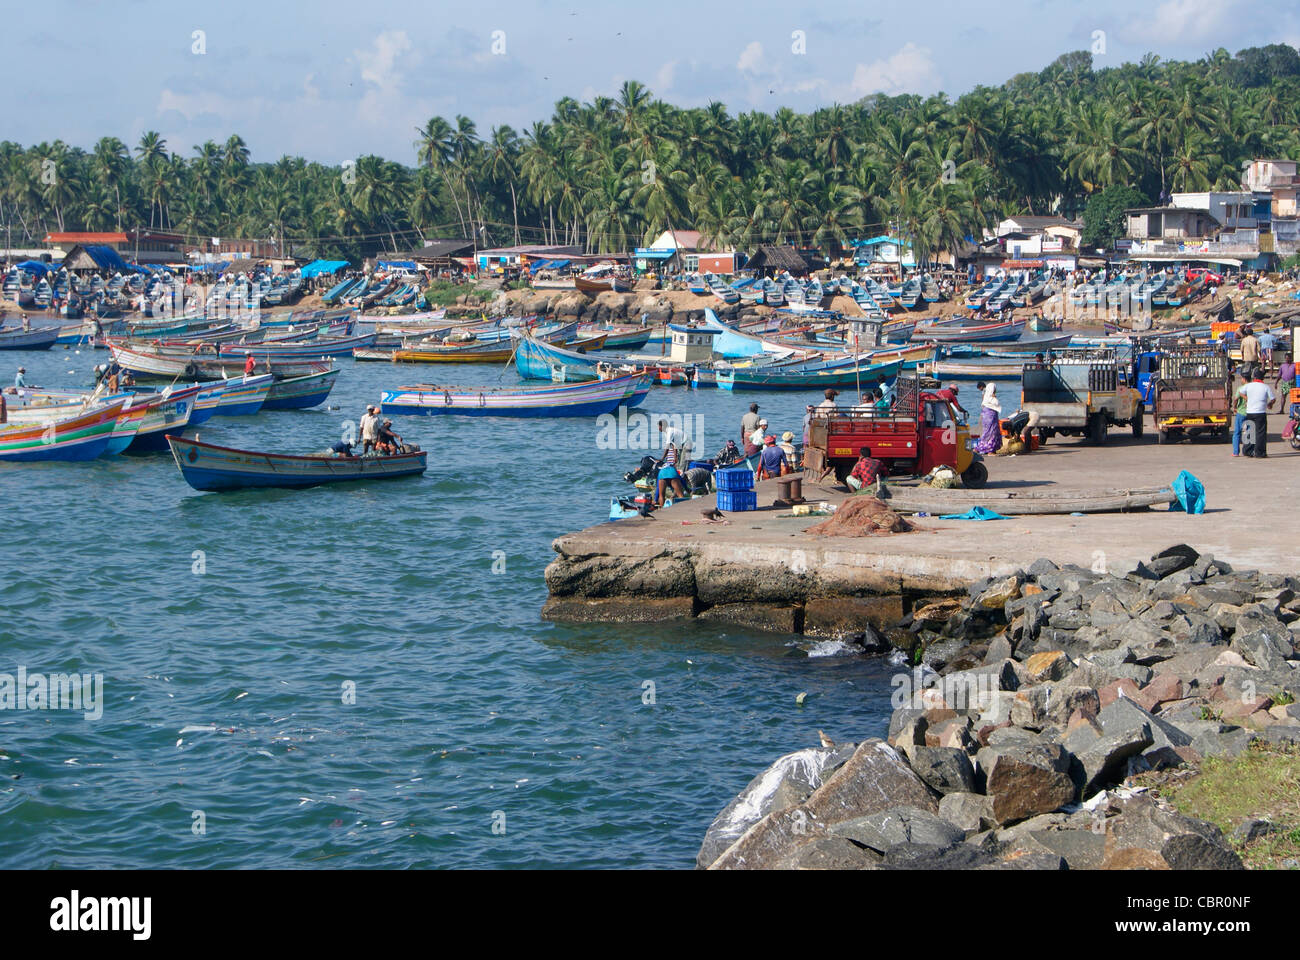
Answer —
770 259
62 243
883 250
680 250
501 259
1212 226
1273 185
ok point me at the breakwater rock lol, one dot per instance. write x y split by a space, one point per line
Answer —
1029 705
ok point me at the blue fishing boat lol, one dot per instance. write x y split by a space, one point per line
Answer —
299 393
206 466
536 360
585 399
758 378
244 396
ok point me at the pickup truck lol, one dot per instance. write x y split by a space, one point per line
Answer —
1192 395
918 433
1081 396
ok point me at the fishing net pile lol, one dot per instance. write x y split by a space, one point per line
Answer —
862 517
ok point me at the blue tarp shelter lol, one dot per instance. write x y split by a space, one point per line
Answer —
397 265
212 267
318 267
35 266
106 258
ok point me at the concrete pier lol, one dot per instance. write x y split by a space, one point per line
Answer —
764 571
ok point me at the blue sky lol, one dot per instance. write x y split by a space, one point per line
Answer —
332 80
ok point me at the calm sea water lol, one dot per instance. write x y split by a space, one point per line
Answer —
481 736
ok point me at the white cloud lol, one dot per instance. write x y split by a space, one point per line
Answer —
379 63
1184 21
751 58
911 70
664 78
309 88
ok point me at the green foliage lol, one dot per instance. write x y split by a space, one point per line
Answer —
614 172
1103 216
443 293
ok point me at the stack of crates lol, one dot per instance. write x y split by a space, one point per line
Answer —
736 489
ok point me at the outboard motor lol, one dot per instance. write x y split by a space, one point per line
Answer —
647 467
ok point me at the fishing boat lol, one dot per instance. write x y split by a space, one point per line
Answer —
244 396
759 378
83 435
16 338
986 370
984 333
340 347
930 290
586 399
910 295
168 411
299 393
538 360
151 363
206 466
719 289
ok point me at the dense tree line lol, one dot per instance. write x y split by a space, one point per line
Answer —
612 173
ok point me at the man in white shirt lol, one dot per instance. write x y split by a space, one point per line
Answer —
369 429
1259 396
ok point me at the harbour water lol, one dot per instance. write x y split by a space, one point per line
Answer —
230 629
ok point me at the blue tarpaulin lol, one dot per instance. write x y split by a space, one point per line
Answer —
106 258
396 264
35 266
1190 494
212 267
317 267
974 513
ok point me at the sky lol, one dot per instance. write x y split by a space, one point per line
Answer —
331 80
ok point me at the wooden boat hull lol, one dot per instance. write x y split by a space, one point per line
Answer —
741 378
163 416
588 399
300 393
83 436
1022 503
20 339
211 468
245 396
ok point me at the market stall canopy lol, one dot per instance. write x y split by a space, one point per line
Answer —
318 267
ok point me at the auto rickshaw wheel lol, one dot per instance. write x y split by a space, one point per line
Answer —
1097 428
975 476
1294 440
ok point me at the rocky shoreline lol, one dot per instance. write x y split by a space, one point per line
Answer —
1023 710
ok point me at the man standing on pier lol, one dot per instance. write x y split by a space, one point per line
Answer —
749 422
1258 396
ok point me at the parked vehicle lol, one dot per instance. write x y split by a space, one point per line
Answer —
1192 395
1081 395
916 435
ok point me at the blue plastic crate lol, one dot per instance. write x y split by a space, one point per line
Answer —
737 500
734 478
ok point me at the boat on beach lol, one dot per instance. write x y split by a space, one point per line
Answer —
208 467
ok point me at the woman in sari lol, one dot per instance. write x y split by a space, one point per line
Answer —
990 440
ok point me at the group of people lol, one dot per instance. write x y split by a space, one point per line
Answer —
762 452
376 435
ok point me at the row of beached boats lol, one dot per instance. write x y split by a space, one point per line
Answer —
807 294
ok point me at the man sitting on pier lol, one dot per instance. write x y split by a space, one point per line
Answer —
867 472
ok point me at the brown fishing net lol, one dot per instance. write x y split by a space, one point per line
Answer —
862 517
